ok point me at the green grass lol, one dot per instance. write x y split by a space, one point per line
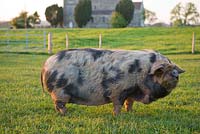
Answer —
24 108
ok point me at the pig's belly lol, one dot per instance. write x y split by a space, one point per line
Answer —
89 101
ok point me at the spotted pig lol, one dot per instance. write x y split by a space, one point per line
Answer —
95 77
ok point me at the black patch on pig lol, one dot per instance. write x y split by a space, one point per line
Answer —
138 94
62 81
157 90
105 74
152 57
68 56
51 80
106 81
85 62
135 67
129 92
63 54
75 96
80 77
71 90
106 95
97 53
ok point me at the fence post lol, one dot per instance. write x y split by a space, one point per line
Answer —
193 43
50 45
100 40
67 41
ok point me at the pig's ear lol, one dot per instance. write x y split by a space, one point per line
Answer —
157 69
179 69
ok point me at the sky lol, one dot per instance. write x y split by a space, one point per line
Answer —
11 8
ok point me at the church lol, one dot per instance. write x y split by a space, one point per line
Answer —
101 13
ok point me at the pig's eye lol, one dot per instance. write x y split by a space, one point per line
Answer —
174 73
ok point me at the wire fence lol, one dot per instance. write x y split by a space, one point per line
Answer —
36 40
23 40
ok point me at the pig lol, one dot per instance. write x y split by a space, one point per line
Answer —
95 77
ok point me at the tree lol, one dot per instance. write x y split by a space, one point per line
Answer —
25 21
184 15
126 9
60 16
20 21
34 19
54 15
117 20
83 11
178 23
150 16
176 13
191 16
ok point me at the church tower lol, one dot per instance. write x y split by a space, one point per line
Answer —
101 13
68 13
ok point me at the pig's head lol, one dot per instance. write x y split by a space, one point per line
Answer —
162 78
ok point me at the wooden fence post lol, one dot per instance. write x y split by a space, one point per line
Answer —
50 45
67 41
193 43
100 41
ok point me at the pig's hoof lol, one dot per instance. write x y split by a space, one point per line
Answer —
63 111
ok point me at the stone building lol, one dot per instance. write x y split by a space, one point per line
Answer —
101 13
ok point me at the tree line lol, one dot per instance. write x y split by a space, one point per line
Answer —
25 21
181 15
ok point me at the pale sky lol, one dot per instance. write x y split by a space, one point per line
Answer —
11 8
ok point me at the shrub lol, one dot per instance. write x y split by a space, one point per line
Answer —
117 20
83 11
126 9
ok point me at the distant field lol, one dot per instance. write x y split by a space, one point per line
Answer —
24 108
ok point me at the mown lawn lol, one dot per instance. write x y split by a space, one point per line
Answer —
24 108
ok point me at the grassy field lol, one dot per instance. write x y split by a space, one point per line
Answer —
24 108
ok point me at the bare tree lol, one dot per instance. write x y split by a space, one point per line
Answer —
176 13
191 16
150 16
184 15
